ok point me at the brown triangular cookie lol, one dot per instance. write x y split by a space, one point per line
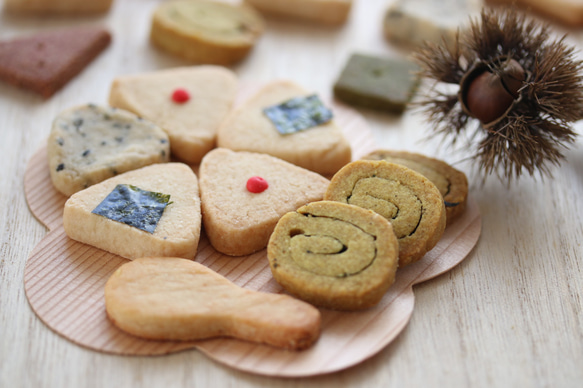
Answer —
239 219
46 61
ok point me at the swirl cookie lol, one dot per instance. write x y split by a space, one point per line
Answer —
176 299
206 31
334 255
409 200
451 183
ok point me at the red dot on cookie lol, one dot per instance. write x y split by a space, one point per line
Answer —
180 96
256 184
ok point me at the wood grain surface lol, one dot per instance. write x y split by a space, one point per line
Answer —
509 315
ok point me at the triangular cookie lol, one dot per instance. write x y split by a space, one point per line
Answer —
322 148
189 103
238 221
177 231
46 61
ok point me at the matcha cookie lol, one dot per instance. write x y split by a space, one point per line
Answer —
385 84
206 31
334 255
407 199
451 183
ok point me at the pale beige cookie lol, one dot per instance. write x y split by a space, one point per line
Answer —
190 119
569 12
414 22
322 148
334 255
177 231
451 183
239 221
58 6
406 198
91 143
318 11
176 299
206 31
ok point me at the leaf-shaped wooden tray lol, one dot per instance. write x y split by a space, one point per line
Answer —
64 282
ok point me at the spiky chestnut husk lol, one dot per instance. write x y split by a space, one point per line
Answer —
541 95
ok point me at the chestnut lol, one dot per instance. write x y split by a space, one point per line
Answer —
489 90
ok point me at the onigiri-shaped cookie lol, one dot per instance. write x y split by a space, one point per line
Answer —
244 194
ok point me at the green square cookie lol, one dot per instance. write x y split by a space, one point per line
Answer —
385 84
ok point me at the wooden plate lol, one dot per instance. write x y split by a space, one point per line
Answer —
64 282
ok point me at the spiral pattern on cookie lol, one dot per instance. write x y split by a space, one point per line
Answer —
412 204
334 255
451 183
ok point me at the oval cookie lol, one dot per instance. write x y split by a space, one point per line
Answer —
334 255
451 183
409 200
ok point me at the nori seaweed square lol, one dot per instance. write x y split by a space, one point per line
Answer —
133 206
298 114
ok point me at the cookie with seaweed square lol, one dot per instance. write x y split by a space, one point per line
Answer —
244 194
152 211
46 61
189 103
286 121
385 84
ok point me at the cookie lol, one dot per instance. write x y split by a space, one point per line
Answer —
176 299
411 23
568 12
244 194
206 31
406 198
46 61
57 6
322 148
451 183
317 11
91 143
385 84
152 211
189 103
334 255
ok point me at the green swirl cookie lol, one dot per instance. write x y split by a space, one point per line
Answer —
451 183
406 198
334 255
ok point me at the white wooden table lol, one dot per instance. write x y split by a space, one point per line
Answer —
511 314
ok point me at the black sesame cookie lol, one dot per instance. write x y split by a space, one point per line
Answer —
205 31
91 143
406 198
386 84
451 183
334 255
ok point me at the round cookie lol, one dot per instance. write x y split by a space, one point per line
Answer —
451 183
334 255
407 199
206 31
